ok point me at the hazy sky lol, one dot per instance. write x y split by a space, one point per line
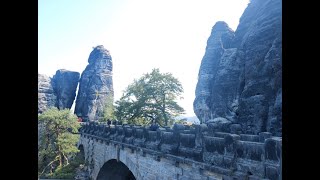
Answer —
140 34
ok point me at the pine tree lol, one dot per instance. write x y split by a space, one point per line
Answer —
58 139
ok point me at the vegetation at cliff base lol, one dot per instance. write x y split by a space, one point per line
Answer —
108 111
57 144
152 97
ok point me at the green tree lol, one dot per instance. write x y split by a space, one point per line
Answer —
152 97
58 139
108 111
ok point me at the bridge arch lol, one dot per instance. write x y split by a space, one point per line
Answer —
114 169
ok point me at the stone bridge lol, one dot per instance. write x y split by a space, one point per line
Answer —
183 152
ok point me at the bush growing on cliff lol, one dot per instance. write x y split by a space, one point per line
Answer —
152 97
108 111
58 141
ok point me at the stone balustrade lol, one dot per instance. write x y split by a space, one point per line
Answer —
239 155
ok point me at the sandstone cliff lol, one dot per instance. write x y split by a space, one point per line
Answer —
58 91
46 96
96 85
65 85
240 78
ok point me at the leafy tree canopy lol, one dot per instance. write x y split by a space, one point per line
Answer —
152 97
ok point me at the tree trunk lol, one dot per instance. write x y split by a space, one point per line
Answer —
60 157
164 110
60 160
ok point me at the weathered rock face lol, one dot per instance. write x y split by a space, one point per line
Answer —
46 95
240 78
96 85
219 73
58 91
65 85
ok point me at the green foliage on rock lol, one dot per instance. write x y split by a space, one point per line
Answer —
108 111
152 97
57 144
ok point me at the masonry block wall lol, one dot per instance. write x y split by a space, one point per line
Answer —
182 152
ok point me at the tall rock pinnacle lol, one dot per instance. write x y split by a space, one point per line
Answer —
65 86
96 85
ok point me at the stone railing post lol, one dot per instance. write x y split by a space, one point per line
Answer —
273 156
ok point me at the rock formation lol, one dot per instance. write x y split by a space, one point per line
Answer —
219 73
46 96
96 85
58 91
240 78
65 85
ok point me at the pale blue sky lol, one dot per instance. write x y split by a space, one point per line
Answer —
140 34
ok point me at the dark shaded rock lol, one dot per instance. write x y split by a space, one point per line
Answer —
214 144
263 136
272 173
208 71
220 134
58 91
259 110
235 128
249 137
65 85
202 127
240 77
231 138
250 150
219 124
96 85
46 95
273 149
